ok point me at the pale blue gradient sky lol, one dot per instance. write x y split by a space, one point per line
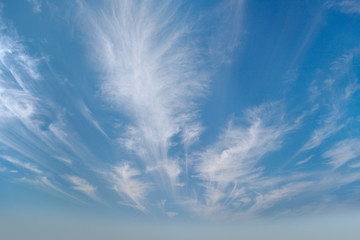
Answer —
215 111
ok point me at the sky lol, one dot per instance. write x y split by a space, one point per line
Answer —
146 114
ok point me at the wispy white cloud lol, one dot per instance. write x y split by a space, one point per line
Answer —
336 99
19 107
65 160
266 200
36 4
89 116
228 35
15 98
172 168
127 183
150 73
16 103
228 167
304 161
351 89
291 188
235 184
82 185
44 181
29 118
329 126
150 67
343 64
343 151
47 182
355 165
29 112
31 124
172 214
190 135
345 6
22 164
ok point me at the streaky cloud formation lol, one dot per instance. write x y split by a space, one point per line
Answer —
30 127
304 161
150 73
19 163
36 4
346 6
337 104
125 105
343 152
127 184
228 169
83 186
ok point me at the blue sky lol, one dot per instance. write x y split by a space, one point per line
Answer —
206 110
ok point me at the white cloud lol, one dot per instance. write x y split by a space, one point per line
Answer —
89 116
227 38
65 160
171 214
336 100
329 126
191 133
355 165
128 184
171 167
15 99
16 103
236 185
22 164
29 118
44 181
351 89
230 164
19 107
265 201
150 73
304 161
36 5
47 182
343 64
343 151
31 124
82 185
345 6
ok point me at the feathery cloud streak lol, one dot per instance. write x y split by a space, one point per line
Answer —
336 118
139 137
32 126
346 6
128 185
149 69
82 185
228 170
19 163
343 152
